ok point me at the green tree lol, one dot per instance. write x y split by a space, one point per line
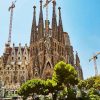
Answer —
53 88
32 86
82 84
66 76
90 88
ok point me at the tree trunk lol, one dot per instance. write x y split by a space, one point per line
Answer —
54 96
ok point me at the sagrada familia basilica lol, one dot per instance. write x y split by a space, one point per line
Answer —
49 44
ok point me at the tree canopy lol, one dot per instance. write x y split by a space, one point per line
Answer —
90 88
31 87
63 83
92 82
64 75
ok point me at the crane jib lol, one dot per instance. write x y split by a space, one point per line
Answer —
47 3
11 18
94 58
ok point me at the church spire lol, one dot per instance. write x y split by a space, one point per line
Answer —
40 24
33 30
77 60
78 67
54 21
60 27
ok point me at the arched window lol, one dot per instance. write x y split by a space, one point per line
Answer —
15 79
22 79
12 58
25 58
36 74
18 58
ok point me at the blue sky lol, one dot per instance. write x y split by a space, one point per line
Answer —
81 19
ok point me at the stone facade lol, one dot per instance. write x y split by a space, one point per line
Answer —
13 66
48 45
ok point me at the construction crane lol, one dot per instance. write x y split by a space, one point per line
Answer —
11 18
46 5
94 58
47 34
